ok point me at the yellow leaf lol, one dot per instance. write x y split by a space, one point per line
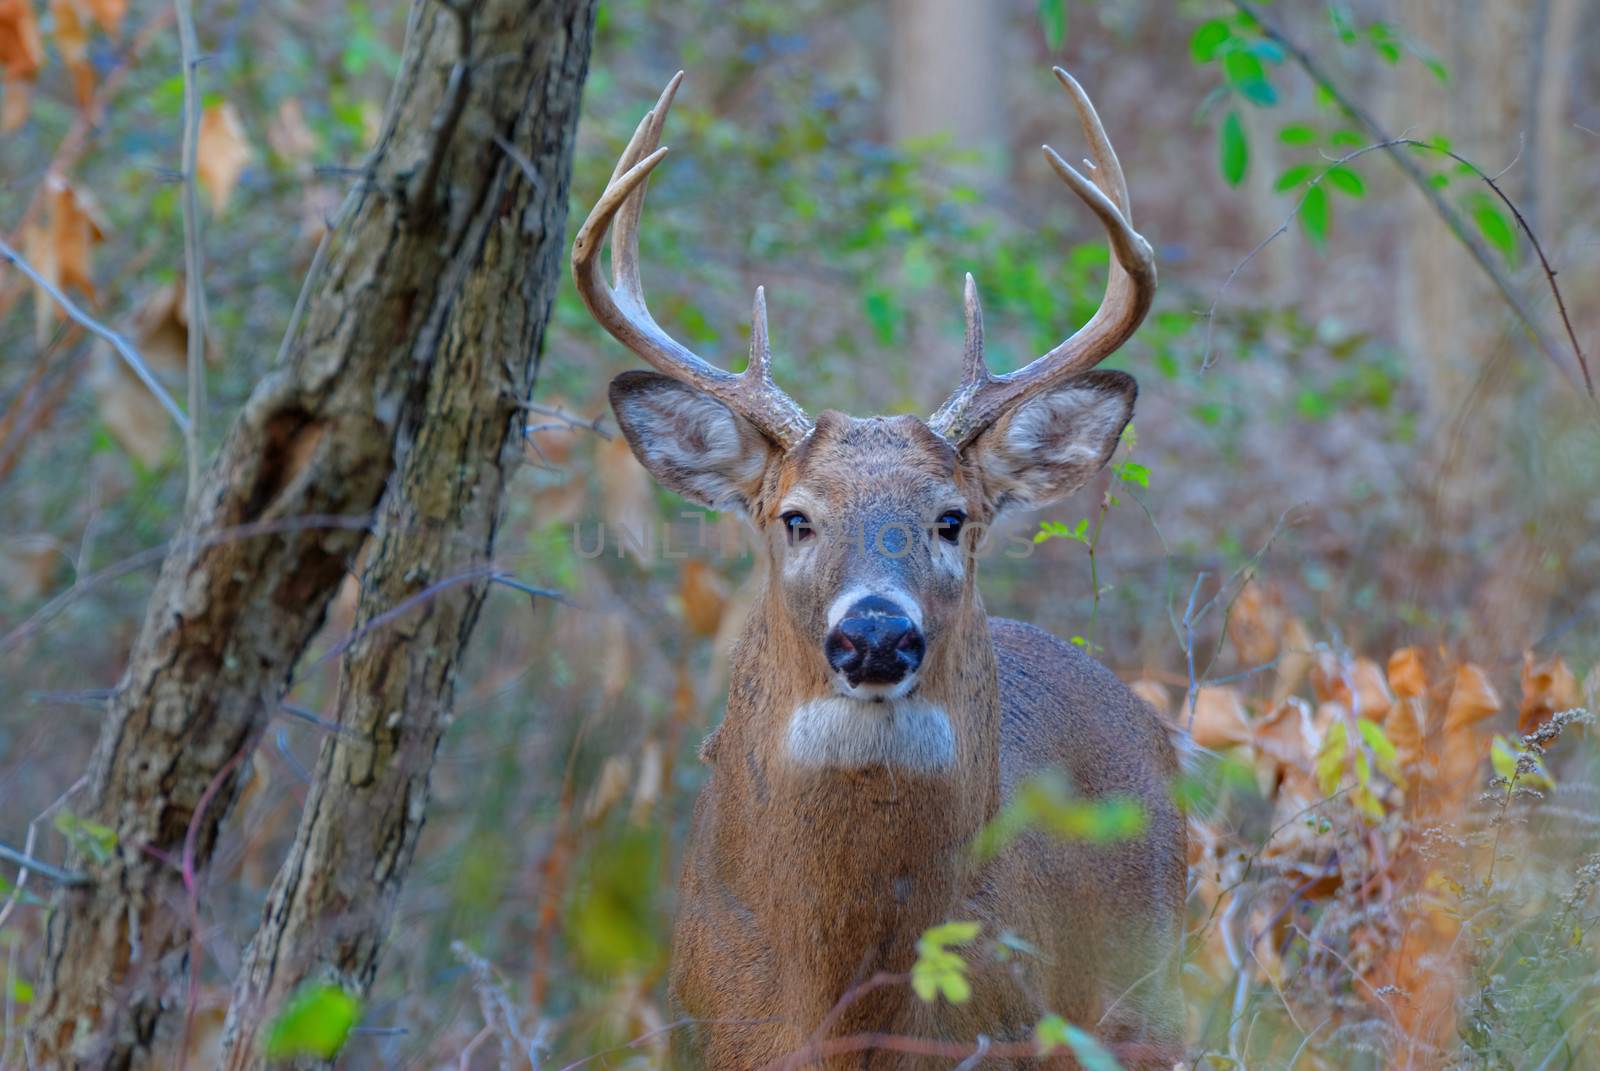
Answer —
222 153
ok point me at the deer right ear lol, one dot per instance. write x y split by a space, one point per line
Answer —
689 441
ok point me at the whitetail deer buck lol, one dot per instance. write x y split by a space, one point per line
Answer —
877 717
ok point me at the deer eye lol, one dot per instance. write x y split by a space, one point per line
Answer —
949 526
798 526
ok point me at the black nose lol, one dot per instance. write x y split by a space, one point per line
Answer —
874 643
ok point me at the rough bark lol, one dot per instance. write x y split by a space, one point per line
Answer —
442 208
333 899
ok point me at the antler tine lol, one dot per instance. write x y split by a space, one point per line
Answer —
981 397
623 312
760 364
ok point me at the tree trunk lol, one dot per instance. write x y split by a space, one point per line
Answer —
448 247
331 904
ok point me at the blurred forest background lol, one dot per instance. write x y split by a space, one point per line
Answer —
1352 542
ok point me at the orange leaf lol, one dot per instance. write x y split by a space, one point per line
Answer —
1219 718
1255 623
704 596
222 153
1373 697
58 246
21 47
1472 699
1406 675
1547 687
108 13
1405 726
28 565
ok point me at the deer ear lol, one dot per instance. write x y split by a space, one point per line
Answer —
1051 444
689 441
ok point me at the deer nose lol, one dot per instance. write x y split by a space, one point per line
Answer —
874 643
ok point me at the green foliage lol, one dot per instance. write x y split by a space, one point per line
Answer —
1233 149
315 1023
87 836
613 921
1054 1032
939 971
1047 802
1053 21
1048 530
1493 224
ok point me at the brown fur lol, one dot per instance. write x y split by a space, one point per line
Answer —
800 882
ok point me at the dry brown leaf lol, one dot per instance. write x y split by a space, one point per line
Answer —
1547 687
161 330
289 135
108 13
59 245
1255 623
1471 700
628 500
617 661
610 787
28 565
1406 675
222 153
15 104
647 790
1373 697
1287 735
704 595
72 41
1219 718
21 46
1406 728
128 409
1155 693
1294 659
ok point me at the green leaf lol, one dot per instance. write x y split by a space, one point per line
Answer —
1133 472
1234 149
21 991
1504 757
882 314
1345 139
1346 181
1054 1032
1314 215
1207 38
1053 20
1495 227
1330 758
1297 134
315 1023
91 838
1293 177
1246 73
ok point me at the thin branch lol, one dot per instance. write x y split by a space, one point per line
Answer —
124 348
562 417
43 869
194 290
1445 211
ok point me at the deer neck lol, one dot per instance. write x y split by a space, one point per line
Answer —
843 866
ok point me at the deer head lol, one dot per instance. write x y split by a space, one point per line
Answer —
872 524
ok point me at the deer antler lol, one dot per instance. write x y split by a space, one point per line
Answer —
620 307
982 397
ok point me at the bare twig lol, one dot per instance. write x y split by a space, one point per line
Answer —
194 290
43 869
154 555
124 348
1443 208
563 418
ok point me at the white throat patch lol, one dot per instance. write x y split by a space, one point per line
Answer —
846 733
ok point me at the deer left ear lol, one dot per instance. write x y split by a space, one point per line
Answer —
1053 443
